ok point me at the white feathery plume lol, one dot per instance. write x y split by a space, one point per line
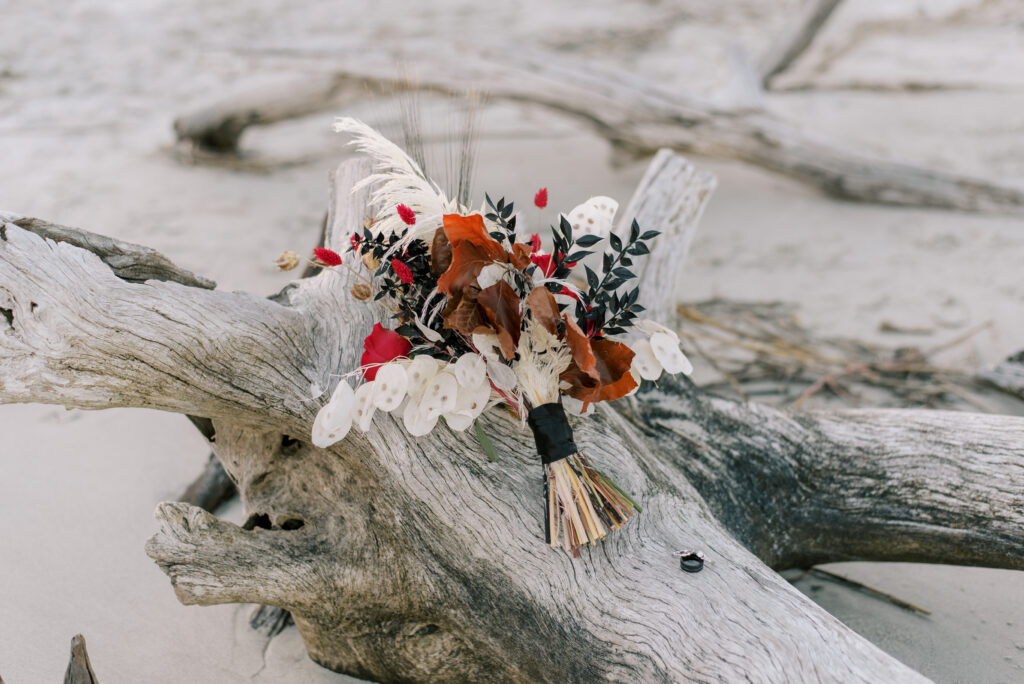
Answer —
542 359
397 179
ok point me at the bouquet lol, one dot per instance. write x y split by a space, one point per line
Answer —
482 316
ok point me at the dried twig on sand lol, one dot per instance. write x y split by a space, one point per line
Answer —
760 349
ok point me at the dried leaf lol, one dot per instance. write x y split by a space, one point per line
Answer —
541 304
500 305
580 346
614 380
470 229
440 253
520 255
472 249
462 313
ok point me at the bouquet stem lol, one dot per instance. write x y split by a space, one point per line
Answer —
583 504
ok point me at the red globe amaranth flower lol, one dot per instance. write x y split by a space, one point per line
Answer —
401 270
327 256
541 198
534 243
354 241
406 214
382 345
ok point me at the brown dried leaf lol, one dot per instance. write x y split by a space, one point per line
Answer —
440 253
462 313
500 305
520 255
541 304
613 381
580 346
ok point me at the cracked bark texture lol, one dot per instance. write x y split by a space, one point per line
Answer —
405 559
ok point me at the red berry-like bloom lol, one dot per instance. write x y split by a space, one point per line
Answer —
380 346
534 243
401 270
327 256
354 241
546 265
406 214
541 198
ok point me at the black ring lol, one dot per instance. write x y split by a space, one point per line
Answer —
691 561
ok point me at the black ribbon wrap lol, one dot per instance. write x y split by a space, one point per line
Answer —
551 431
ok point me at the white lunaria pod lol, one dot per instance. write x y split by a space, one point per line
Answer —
487 344
593 217
389 386
420 371
470 370
670 356
417 421
490 275
645 364
503 377
458 421
362 413
574 407
440 395
335 419
649 327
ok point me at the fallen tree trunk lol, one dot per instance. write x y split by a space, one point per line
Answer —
626 110
418 559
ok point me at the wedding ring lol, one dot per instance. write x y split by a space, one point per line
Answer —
691 561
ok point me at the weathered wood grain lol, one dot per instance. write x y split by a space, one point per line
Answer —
405 559
79 668
797 37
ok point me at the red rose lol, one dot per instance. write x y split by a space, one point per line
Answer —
382 345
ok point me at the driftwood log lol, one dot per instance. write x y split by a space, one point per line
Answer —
797 37
79 668
405 559
631 113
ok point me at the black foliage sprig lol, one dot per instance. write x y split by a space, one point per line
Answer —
408 298
502 215
563 258
602 310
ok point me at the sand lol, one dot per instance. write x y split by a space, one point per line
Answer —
87 94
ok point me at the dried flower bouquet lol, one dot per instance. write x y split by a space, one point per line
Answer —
482 317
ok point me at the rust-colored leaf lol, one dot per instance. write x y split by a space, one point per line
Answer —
472 249
440 253
471 229
580 346
467 262
520 255
613 381
541 304
500 305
